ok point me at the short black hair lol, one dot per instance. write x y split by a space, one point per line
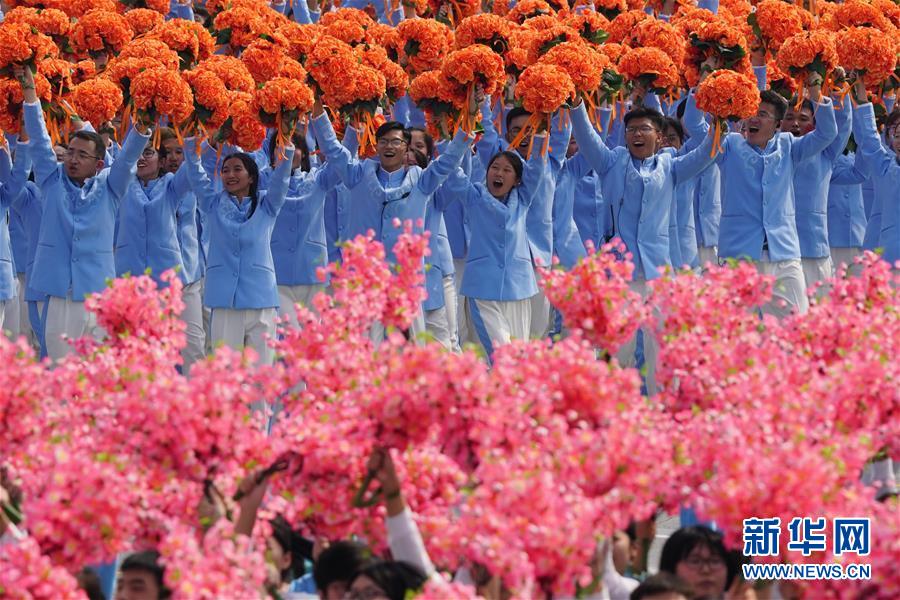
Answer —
147 561
395 578
94 138
513 158
681 543
661 583
674 124
339 562
386 128
892 119
642 112
300 145
253 171
515 112
429 141
421 159
679 110
291 543
89 582
806 103
776 100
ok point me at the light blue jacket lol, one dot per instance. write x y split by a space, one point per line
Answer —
573 178
148 227
27 206
75 249
758 190
187 218
11 186
499 266
240 273
641 192
811 182
846 213
884 168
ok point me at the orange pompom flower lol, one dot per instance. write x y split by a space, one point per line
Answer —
590 25
540 23
544 88
888 8
282 100
143 20
158 6
425 44
434 96
300 39
614 52
211 98
869 52
651 68
49 21
720 40
620 27
21 44
101 32
728 95
475 65
388 38
83 70
245 130
859 13
123 71
97 100
239 27
810 51
611 8
780 82
485 29
652 33
11 99
347 31
395 77
162 92
231 71
188 39
78 8
351 15
583 64
292 69
58 73
329 61
688 19
263 59
151 48
775 21
527 9
214 7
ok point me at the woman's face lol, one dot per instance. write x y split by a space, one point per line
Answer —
705 571
501 177
411 158
148 164
364 588
418 143
236 178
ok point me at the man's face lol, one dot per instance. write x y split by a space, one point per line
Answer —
760 128
417 142
894 137
642 138
137 585
174 155
797 122
515 127
572 150
391 149
82 159
671 139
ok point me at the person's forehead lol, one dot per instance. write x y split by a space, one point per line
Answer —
171 144
393 134
518 121
80 143
640 122
136 577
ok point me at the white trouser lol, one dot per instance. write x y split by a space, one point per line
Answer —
15 318
465 332
249 327
68 318
816 270
789 293
192 315
289 295
497 322
626 354
708 254
207 316
540 313
442 322
845 256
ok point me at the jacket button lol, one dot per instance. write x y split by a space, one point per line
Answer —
290 249
500 265
235 273
75 259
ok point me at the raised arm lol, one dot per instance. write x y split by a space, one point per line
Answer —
870 152
847 172
14 186
279 183
124 169
816 141
5 164
348 169
560 132
843 117
589 143
198 177
489 144
690 165
694 119
535 172
440 168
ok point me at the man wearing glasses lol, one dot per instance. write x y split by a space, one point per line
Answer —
74 255
758 215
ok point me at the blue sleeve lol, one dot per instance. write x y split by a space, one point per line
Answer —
40 146
14 185
818 139
694 162
5 164
589 143
198 176
301 12
351 141
460 187
843 117
489 144
762 78
559 139
710 5
694 119
440 168
124 169
181 182
347 168
604 115
651 100
870 153
578 166
889 102
535 171
279 183
182 11
848 173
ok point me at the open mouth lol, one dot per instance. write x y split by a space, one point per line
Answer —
752 129
497 184
389 154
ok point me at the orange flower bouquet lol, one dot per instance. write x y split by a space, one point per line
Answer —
808 52
352 15
395 77
611 8
188 39
242 128
652 33
527 9
651 68
356 96
425 43
21 44
474 66
869 53
775 21
688 19
51 22
11 99
485 29
78 8
434 95
780 82
727 95
264 58
231 71
542 41
540 23
388 38
542 89
620 27
349 32
151 48
280 102
456 11
590 25
583 64
238 27
718 40
59 74
858 13
160 92
300 39
143 20
83 70
123 71
97 100
516 57
328 61
291 69
101 32
58 113
158 6
211 99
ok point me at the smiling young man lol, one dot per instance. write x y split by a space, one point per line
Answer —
74 256
758 215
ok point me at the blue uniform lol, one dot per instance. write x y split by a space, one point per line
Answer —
846 213
75 248
240 273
